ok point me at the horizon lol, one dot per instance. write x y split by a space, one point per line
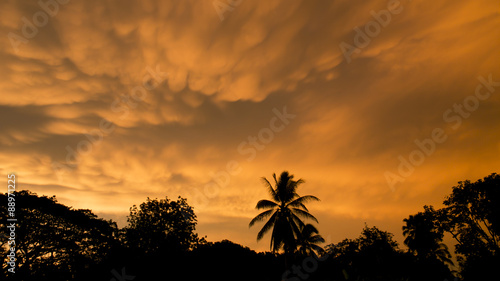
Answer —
381 106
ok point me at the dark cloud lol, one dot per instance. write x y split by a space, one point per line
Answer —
212 84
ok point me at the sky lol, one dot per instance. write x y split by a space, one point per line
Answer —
380 106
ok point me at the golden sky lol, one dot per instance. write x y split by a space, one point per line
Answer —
381 106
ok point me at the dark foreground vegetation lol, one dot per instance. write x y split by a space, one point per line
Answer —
55 242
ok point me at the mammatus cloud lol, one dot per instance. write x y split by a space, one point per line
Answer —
157 98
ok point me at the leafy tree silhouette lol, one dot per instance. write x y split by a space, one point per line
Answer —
424 238
283 211
162 224
226 260
472 216
374 255
55 242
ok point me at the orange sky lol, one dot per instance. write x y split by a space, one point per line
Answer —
105 103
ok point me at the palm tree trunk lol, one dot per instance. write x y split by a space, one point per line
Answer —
287 261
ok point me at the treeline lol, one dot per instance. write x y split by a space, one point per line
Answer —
56 242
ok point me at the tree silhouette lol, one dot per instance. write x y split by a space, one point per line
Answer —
374 255
307 241
423 237
472 217
160 224
55 242
284 210
226 260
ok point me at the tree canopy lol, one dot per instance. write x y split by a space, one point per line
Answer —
162 224
424 238
57 242
472 216
53 239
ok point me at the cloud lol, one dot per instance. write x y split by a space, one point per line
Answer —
220 82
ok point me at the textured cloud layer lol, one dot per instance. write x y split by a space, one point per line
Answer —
106 103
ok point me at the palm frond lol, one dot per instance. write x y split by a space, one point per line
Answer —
260 217
270 188
298 222
299 202
316 239
304 214
275 180
299 182
309 230
270 223
265 204
295 226
317 248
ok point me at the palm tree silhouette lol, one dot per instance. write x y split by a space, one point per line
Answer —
283 212
307 241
